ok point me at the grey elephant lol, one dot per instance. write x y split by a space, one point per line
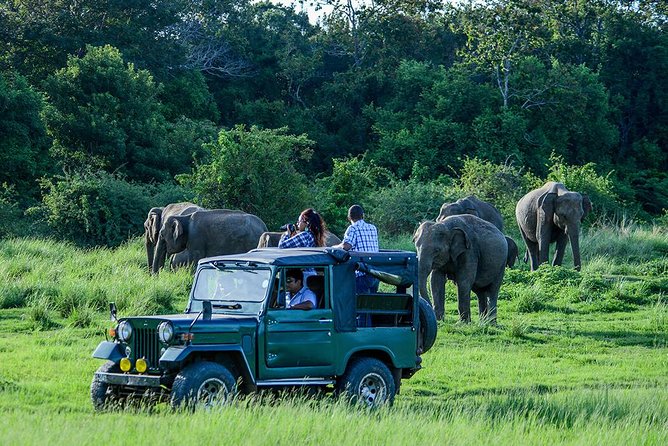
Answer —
513 252
473 206
467 250
207 233
153 224
551 214
271 239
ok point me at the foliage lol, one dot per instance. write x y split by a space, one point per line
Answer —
254 170
97 208
586 180
399 208
500 184
104 114
23 141
351 182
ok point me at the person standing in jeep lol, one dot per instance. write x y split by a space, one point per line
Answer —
363 237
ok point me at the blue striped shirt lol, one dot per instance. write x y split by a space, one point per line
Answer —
362 236
302 239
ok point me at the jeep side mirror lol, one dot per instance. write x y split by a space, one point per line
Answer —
112 311
206 309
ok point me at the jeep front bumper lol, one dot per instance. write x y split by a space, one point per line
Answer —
124 379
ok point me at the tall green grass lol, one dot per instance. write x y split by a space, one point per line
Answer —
577 357
73 283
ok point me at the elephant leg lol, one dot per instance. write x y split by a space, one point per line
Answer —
559 252
482 304
464 301
532 251
438 291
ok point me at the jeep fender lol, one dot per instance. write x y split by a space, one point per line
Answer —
174 357
374 351
108 350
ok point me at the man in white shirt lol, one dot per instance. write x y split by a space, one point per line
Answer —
298 297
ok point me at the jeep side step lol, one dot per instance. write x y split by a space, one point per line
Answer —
295 382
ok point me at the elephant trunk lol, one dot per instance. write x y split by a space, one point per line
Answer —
424 269
574 237
150 251
160 255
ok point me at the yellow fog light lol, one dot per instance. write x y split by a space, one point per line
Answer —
126 365
141 365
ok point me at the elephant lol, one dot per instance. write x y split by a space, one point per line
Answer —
153 224
550 214
513 252
473 206
271 239
207 233
467 250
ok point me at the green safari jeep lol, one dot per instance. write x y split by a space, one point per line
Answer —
237 334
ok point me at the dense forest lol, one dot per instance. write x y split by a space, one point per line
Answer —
110 107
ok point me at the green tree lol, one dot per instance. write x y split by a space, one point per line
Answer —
41 35
254 170
105 114
351 182
23 141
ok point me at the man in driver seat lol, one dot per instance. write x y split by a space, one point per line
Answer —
298 297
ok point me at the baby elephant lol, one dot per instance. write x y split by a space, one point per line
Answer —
471 252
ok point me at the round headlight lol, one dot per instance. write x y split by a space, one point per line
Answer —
124 331
165 332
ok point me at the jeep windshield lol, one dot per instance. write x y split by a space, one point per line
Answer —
231 289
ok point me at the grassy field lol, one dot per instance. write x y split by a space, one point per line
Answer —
577 358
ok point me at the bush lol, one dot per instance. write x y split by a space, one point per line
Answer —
502 185
351 182
585 180
97 208
254 170
402 206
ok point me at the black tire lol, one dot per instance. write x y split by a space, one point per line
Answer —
367 381
102 394
428 326
203 384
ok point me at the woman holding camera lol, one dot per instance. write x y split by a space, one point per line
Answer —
309 231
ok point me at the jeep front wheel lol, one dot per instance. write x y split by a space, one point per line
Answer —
204 384
101 393
367 381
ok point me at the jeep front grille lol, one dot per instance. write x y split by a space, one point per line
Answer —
147 346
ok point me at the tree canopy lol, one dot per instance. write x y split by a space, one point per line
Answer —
412 88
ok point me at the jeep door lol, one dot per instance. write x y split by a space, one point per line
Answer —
298 343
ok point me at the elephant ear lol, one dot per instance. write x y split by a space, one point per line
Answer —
152 224
177 229
546 205
586 206
460 242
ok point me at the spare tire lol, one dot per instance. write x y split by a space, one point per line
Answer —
428 326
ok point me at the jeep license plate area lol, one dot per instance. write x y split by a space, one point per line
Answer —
122 379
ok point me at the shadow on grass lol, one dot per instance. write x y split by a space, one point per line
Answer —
623 338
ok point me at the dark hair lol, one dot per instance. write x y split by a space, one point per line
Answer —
296 274
355 212
316 224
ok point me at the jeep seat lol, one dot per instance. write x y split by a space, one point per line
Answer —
317 285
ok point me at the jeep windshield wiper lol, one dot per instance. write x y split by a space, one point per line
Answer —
234 306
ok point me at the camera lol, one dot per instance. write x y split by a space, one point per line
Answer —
290 227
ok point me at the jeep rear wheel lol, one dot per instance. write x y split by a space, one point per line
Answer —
203 384
367 381
102 394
